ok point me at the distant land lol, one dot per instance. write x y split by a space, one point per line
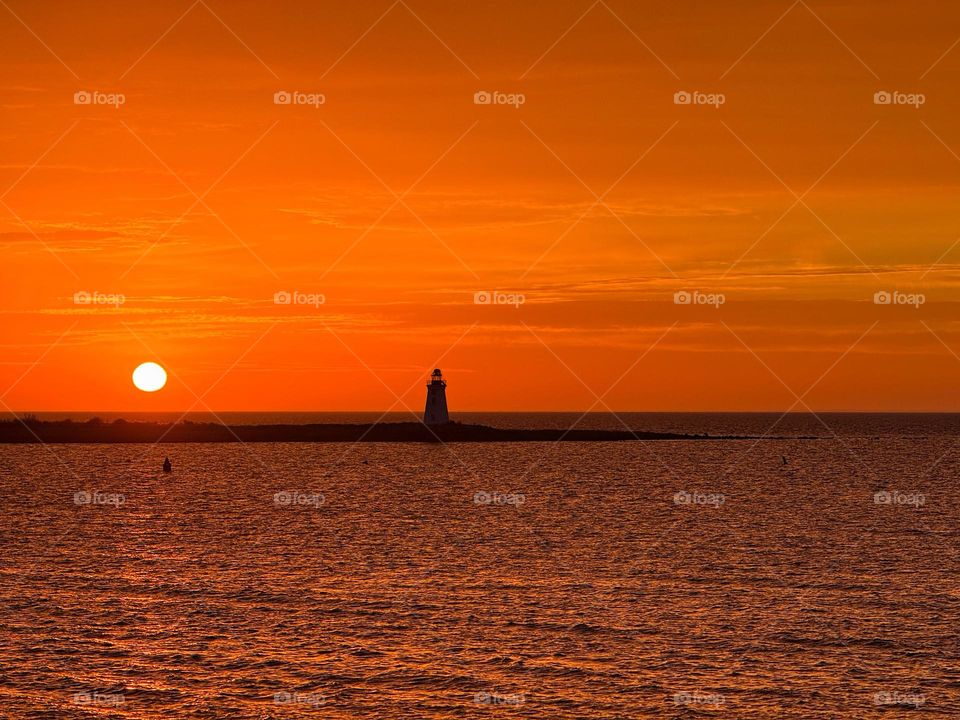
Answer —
31 430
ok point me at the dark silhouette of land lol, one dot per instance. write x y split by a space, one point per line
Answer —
31 430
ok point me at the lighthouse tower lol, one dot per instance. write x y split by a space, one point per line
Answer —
435 413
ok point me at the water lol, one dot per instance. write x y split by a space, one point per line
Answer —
828 425
477 581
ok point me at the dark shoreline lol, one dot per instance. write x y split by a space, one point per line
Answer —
38 431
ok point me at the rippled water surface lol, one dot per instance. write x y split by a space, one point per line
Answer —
669 579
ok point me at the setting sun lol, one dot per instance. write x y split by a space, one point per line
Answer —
554 358
149 377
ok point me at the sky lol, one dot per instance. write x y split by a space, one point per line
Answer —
743 206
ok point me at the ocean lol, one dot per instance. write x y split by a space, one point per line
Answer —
773 578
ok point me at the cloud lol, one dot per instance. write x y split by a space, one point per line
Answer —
53 237
477 211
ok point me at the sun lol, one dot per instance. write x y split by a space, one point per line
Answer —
149 377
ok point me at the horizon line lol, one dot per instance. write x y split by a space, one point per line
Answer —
6 413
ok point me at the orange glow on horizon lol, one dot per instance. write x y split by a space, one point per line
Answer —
691 207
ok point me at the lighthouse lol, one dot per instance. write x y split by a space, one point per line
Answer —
435 412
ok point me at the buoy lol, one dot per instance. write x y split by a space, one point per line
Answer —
167 466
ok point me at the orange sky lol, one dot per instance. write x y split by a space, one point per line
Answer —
597 199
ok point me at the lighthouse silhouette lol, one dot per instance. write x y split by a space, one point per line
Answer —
435 412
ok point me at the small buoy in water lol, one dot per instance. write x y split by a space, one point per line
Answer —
167 466
784 458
